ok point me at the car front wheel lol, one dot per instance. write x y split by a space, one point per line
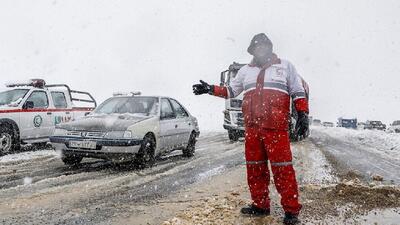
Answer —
146 155
71 160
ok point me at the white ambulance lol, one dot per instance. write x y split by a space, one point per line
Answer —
30 110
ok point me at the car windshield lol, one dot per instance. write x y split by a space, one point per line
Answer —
12 96
132 105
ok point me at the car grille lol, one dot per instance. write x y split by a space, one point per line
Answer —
91 134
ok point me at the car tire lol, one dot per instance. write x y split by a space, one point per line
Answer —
8 141
146 155
191 147
233 135
71 160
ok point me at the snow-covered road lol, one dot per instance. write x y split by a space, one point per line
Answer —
36 188
365 152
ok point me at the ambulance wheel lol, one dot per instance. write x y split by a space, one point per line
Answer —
8 141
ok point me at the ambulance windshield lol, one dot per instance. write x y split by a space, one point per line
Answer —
12 97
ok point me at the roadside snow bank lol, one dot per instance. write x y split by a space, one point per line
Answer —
380 142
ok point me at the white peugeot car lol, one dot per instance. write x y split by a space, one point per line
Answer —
128 127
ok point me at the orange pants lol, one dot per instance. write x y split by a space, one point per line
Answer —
262 146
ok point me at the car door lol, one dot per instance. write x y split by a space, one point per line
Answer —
36 120
183 122
167 125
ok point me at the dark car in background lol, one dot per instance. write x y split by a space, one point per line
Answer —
316 122
374 125
347 123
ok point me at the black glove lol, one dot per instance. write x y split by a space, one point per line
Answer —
302 124
203 88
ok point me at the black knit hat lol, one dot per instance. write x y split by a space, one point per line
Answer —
258 40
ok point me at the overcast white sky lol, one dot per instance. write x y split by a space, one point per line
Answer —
348 51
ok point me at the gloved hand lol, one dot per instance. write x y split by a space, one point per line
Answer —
302 124
203 88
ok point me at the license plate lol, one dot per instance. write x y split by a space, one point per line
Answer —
83 144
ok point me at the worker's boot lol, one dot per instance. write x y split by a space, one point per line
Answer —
290 219
253 210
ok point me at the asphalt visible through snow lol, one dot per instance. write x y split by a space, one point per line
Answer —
356 158
97 190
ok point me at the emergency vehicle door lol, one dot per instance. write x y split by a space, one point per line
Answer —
36 119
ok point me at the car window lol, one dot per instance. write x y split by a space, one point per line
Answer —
39 99
179 110
166 109
59 100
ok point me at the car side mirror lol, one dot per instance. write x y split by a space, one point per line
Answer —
29 105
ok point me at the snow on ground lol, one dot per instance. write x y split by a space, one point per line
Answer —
325 197
380 142
311 165
25 156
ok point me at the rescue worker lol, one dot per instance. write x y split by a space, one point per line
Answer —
268 83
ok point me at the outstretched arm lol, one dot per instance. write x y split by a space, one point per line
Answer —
231 91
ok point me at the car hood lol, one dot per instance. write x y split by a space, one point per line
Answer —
114 122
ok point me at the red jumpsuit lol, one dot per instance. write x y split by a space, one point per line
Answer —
266 111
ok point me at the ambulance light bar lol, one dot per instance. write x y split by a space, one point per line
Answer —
37 83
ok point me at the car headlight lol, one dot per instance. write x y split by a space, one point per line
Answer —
60 132
114 134
118 134
127 134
